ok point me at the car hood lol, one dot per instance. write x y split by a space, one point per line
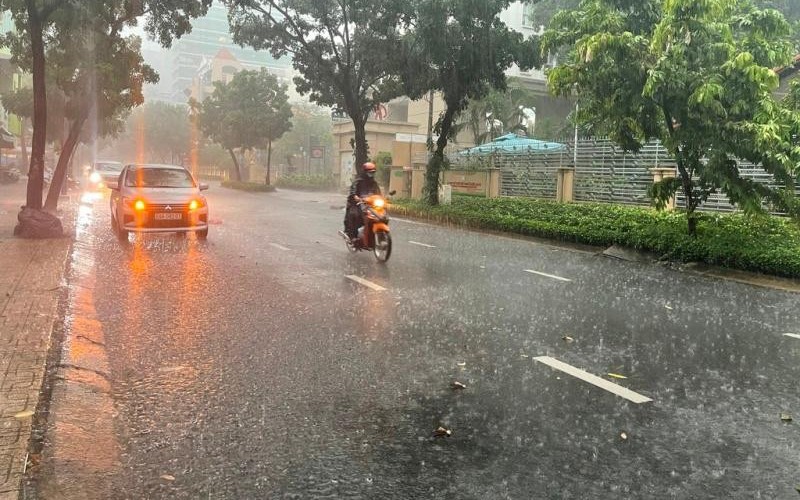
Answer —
164 195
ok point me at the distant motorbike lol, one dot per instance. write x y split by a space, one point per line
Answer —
373 235
9 176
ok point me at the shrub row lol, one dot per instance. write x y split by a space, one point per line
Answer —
764 244
306 182
255 187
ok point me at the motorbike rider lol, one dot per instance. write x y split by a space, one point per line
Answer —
364 185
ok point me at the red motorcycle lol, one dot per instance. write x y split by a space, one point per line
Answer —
373 235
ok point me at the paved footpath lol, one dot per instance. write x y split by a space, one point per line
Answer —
31 277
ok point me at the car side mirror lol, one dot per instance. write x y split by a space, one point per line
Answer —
113 185
203 186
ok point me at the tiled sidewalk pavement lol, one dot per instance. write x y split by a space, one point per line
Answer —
31 274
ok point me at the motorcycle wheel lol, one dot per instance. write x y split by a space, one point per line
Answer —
383 246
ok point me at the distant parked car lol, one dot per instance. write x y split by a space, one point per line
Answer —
104 172
156 199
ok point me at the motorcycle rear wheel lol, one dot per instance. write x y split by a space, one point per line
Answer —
383 246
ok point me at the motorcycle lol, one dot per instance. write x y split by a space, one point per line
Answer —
373 235
9 176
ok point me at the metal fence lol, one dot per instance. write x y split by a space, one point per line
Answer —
604 173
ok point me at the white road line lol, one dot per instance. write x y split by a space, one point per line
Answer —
547 275
364 282
593 379
411 221
279 247
422 244
793 335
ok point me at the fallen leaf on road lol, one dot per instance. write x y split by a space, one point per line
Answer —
567 339
616 375
668 307
624 436
167 477
461 364
24 414
457 385
442 432
785 417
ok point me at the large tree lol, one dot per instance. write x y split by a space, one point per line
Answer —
101 75
461 49
697 76
341 49
35 19
249 112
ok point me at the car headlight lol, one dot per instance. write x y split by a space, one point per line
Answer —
195 204
95 177
139 205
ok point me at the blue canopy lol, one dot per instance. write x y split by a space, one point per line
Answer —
511 144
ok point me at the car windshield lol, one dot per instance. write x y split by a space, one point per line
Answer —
108 167
159 178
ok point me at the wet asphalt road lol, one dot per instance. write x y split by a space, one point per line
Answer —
248 366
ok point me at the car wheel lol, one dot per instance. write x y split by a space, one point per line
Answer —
202 234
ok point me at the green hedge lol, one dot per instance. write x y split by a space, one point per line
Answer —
756 243
256 187
308 182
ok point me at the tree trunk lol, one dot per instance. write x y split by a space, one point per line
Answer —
269 161
361 144
237 174
60 173
436 163
38 143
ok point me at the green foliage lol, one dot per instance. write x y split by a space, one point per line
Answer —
341 50
249 112
253 187
754 243
696 75
19 102
462 49
60 32
307 182
383 161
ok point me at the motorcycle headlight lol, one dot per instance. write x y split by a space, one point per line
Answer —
95 177
379 203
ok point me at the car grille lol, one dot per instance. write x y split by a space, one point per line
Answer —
173 207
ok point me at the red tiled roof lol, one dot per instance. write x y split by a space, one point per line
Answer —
225 54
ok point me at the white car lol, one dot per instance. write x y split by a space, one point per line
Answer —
158 199
104 172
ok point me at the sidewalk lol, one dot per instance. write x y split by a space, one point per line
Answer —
31 274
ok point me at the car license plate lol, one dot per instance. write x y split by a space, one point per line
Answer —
169 216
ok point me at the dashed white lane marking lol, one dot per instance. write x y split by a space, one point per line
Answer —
422 244
793 335
411 221
593 379
547 275
279 247
362 281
